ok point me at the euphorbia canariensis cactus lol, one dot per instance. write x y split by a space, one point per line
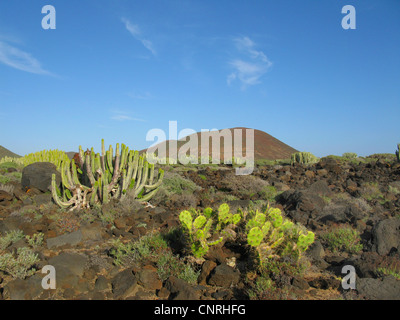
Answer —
100 178
303 158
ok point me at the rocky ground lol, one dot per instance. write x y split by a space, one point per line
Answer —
132 250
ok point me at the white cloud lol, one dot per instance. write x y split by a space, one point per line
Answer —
123 116
19 59
248 71
134 30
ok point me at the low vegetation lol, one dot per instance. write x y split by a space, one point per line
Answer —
303 158
343 239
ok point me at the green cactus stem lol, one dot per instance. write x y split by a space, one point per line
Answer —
102 177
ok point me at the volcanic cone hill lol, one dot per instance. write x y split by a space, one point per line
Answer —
7 153
265 145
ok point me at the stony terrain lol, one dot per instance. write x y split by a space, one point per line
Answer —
132 250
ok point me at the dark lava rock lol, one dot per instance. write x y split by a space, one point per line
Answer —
366 265
27 289
375 289
386 236
316 251
70 239
325 283
180 289
4 196
42 198
224 276
70 267
124 284
38 175
340 213
300 283
301 200
149 279
101 284
206 269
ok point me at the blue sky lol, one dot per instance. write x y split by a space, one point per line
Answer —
117 69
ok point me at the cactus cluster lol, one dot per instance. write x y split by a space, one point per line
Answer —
200 226
17 161
275 236
303 158
398 152
349 155
54 156
96 178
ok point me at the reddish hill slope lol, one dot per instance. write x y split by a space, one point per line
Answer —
265 145
7 153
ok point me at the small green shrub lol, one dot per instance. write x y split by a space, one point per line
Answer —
389 266
349 155
4 179
146 247
263 288
174 184
153 247
19 266
343 238
10 238
36 240
268 162
269 193
7 165
259 287
247 185
394 190
371 191
171 265
17 175
382 156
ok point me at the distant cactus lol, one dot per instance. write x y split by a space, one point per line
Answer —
54 156
99 178
398 152
303 158
349 155
274 236
206 225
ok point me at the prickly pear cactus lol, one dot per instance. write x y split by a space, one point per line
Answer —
255 236
208 212
273 236
304 241
276 217
236 218
203 227
226 218
186 219
199 222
